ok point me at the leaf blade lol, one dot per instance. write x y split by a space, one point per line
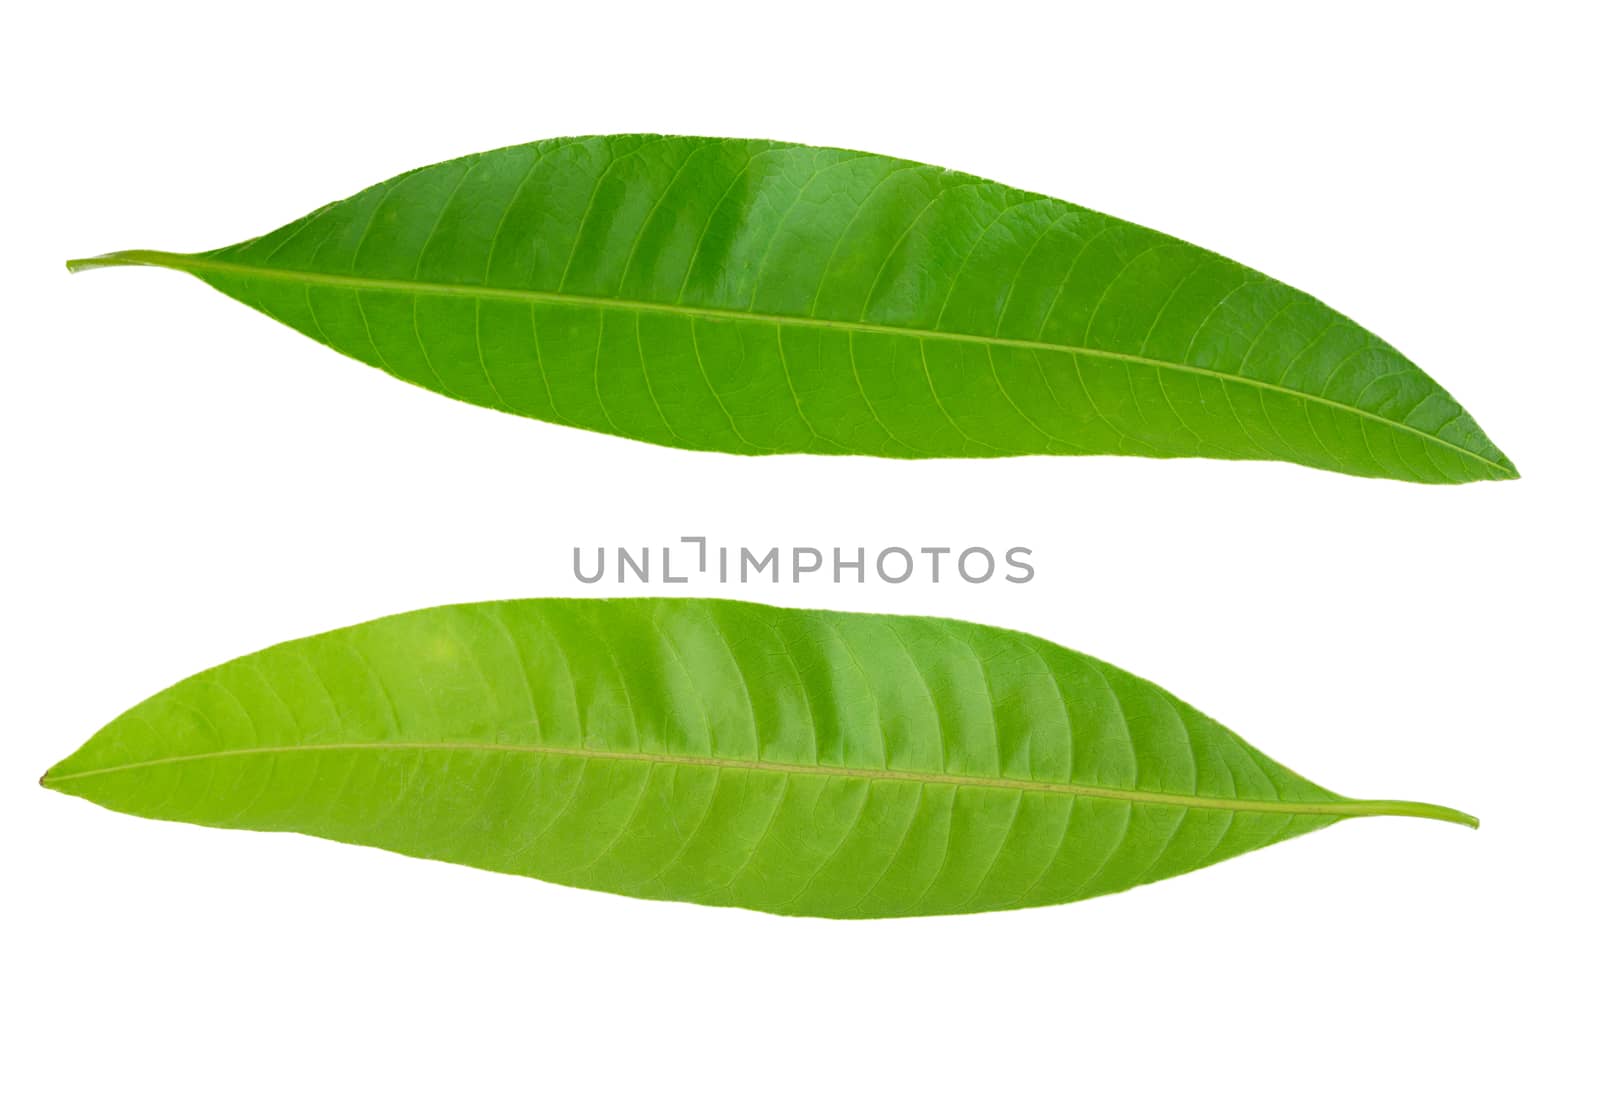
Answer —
756 298
704 750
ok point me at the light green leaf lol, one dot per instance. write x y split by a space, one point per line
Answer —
800 762
753 297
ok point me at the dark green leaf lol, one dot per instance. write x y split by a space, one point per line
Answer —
752 297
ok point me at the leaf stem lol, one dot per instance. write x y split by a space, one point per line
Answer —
1407 809
126 256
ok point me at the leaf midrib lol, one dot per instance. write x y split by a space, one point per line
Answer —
191 264
1337 808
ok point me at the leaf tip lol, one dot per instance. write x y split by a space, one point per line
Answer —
53 777
1504 470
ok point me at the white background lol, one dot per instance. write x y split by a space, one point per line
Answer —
186 481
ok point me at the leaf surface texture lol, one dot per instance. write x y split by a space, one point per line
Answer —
757 298
713 751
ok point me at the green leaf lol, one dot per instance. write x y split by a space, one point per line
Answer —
753 297
800 762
